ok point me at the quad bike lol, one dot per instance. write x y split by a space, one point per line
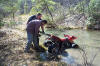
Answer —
57 46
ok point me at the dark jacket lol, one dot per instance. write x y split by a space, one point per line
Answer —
32 18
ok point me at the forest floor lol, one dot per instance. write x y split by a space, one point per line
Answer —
12 44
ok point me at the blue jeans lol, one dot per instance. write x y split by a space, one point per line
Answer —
32 38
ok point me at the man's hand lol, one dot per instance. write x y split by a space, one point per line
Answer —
43 32
39 35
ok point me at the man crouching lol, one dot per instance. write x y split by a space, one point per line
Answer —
33 33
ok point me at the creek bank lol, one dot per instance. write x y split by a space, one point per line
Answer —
77 21
95 26
70 22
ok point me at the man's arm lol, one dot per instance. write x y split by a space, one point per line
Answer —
27 22
42 27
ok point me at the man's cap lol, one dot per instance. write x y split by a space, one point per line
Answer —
39 14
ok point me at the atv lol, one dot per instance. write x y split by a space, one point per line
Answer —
57 46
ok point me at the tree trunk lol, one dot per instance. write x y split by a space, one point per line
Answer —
13 15
48 10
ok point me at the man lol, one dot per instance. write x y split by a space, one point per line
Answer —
38 16
33 32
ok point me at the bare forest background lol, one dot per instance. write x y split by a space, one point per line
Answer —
71 13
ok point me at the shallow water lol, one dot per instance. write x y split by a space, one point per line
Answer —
88 40
83 36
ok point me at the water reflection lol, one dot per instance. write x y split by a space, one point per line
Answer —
64 57
68 59
43 56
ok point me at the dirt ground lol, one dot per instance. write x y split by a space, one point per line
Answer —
12 44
